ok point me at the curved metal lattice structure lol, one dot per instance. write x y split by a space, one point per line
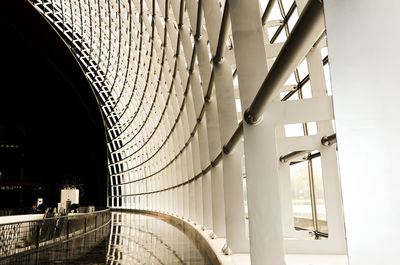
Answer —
172 78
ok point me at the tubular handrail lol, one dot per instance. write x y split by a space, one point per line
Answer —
22 236
305 33
58 217
291 155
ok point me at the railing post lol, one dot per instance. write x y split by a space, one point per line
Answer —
95 221
67 229
84 225
37 236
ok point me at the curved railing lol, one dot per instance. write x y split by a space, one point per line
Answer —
17 237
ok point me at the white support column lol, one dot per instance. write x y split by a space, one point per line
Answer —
217 184
170 176
185 187
206 178
194 158
364 60
199 201
187 163
266 238
197 183
181 167
232 170
218 210
191 192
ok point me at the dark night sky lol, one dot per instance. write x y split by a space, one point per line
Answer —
48 108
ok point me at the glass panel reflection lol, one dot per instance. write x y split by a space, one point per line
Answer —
319 195
90 248
142 239
308 197
301 195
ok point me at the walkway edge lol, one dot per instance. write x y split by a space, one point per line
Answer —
190 230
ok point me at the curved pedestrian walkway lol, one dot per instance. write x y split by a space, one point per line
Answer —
131 238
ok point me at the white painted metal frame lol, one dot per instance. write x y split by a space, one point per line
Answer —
166 75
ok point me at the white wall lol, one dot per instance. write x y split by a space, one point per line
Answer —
364 56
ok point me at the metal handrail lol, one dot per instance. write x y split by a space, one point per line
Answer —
58 217
19 237
291 155
300 37
325 141
305 33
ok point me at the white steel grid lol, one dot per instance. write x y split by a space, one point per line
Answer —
170 105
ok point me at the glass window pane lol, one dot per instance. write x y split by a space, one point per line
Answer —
328 79
301 199
319 195
271 31
275 13
303 69
293 20
312 128
287 4
292 130
306 90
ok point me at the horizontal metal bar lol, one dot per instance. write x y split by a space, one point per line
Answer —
317 233
234 139
309 157
291 155
305 33
208 168
216 161
328 140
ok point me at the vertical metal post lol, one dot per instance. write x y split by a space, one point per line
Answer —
313 199
37 236
218 205
84 225
67 233
206 178
217 183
